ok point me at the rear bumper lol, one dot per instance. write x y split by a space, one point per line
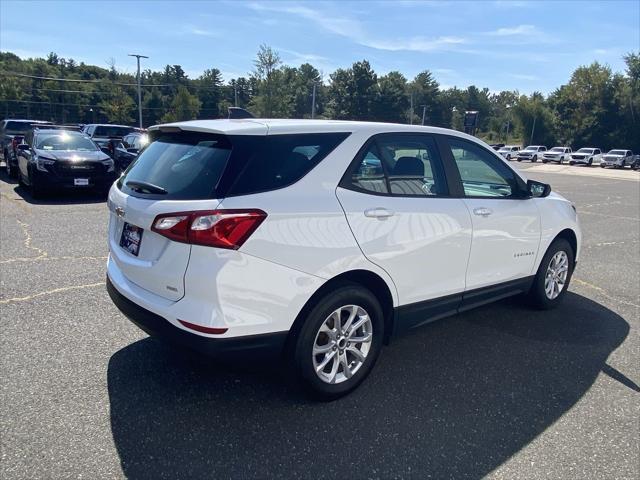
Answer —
264 345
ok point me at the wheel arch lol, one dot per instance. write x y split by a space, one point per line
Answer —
570 236
365 278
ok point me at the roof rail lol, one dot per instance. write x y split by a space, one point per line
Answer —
237 113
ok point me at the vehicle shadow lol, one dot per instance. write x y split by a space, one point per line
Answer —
56 197
455 399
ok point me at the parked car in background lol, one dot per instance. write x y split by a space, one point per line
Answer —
107 136
636 162
127 150
496 146
531 153
617 158
218 238
509 151
51 158
556 154
12 133
586 156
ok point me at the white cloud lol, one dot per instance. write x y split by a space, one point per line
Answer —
355 31
201 32
519 30
520 76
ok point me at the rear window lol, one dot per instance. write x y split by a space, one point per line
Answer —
198 166
111 131
187 166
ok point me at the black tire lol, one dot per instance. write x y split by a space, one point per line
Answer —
303 342
35 189
534 159
590 162
543 161
11 172
519 159
537 296
571 162
602 165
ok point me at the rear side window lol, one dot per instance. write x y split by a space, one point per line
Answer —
111 131
398 165
18 127
271 162
178 166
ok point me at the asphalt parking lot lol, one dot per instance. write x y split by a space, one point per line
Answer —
502 391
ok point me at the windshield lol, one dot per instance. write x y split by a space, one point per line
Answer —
585 150
112 131
531 148
505 149
557 149
64 141
618 152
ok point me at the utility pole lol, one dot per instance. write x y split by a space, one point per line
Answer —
533 129
235 93
138 57
313 102
424 113
411 116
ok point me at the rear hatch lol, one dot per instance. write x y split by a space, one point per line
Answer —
178 172
165 200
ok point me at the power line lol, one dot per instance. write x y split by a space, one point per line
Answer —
109 82
66 104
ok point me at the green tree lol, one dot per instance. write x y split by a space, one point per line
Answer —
265 73
118 108
184 106
391 102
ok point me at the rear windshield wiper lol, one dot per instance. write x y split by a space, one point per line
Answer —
145 187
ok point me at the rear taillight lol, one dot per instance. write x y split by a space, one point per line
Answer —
214 228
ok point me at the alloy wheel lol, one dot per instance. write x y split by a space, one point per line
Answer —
556 276
342 344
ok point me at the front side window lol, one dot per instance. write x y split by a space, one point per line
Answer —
481 173
399 165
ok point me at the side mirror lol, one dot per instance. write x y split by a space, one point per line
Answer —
106 150
132 150
538 189
23 146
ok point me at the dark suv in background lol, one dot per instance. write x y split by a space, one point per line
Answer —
107 136
12 132
54 158
127 150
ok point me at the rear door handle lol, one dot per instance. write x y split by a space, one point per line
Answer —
482 211
378 212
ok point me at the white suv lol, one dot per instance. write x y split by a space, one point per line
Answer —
324 239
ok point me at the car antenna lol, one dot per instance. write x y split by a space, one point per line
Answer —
237 113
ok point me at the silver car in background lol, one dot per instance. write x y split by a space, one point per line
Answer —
617 158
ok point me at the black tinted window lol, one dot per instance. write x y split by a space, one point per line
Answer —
188 166
271 162
111 131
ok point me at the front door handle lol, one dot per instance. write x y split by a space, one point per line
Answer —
482 211
378 212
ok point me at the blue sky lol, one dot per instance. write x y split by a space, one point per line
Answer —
524 45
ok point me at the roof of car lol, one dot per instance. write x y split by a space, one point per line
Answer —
259 126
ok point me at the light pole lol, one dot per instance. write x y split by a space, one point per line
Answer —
508 107
138 57
313 102
424 112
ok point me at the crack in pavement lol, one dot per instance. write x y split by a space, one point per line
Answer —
49 292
